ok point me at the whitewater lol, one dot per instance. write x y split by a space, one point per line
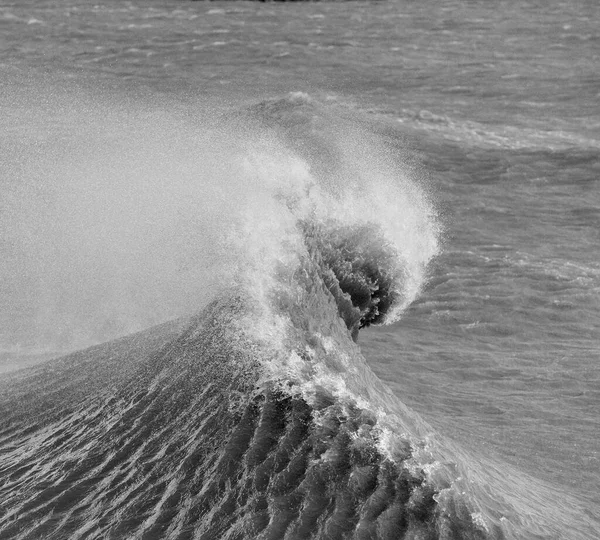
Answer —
283 272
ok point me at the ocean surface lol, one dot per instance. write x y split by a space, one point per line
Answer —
338 265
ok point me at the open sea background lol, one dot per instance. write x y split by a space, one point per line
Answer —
495 110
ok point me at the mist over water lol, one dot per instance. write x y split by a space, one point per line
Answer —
121 214
110 222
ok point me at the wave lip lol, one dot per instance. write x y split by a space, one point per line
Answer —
350 199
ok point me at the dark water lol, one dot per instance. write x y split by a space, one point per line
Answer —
116 198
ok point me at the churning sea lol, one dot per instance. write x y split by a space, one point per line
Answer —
492 108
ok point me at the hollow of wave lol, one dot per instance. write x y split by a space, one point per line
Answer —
257 417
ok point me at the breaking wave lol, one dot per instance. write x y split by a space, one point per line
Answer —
257 417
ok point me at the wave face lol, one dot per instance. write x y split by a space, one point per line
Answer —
257 417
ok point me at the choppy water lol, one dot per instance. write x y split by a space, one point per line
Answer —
491 108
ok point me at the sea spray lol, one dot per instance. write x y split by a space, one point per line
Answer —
120 217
